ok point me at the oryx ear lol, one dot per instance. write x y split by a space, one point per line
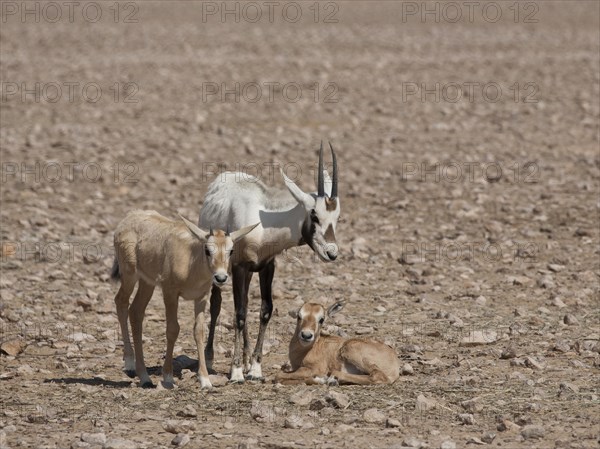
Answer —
194 229
302 197
328 183
235 236
335 308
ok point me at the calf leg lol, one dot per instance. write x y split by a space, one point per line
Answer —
136 317
266 309
215 310
199 306
122 303
375 377
171 305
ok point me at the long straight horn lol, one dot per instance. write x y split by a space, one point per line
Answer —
334 185
320 179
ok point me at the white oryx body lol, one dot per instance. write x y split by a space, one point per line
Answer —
287 218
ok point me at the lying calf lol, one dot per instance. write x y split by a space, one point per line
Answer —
317 358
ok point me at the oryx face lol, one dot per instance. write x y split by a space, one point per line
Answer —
311 317
322 211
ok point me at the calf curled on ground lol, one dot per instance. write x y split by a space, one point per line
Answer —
318 359
185 261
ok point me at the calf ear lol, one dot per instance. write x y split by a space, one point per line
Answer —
335 308
195 229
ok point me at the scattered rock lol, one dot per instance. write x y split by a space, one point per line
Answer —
448 445
412 442
293 422
93 438
343 428
407 369
507 426
533 363
466 418
570 320
423 403
301 397
475 440
180 440
393 423
189 412
488 437
476 338
175 426
337 399
557 302
373 416
13 347
533 432
472 406
508 353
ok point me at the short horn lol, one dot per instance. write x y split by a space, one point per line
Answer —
211 231
227 230
334 185
320 179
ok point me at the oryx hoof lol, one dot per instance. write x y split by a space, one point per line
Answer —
129 373
148 384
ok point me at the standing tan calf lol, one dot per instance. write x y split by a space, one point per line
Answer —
185 261
318 359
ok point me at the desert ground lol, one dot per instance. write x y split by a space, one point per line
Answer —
469 235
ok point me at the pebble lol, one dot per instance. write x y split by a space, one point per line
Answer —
412 442
372 416
293 422
93 438
180 440
423 403
13 347
175 426
407 369
488 437
508 353
393 423
337 399
301 397
477 338
466 418
558 302
448 445
533 432
343 428
570 320
188 411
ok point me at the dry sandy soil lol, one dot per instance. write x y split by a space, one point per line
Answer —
482 271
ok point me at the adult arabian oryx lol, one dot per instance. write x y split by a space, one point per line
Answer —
287 218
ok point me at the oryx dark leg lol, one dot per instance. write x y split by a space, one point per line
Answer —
215 310
246 338
266 309
238 274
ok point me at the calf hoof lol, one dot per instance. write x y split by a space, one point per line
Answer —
130 373
148 385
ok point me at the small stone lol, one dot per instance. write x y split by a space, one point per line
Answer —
373 416
393 423
407 369
337 399
175 426
423 403
412 442
466 418
557 302
93 438
364 330
481 300
343 428
189 411
507 426
555 267
533 363
475 440
293 422
180 440
570 320
118 443
301 397
448 445
533 432
508 353
476 338
546 282
324 431
472 406
13 347
488 437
